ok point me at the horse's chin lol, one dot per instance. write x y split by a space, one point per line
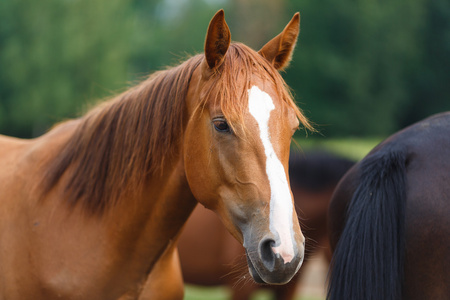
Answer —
252 270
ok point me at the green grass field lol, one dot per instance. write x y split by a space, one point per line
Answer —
222 293
351 148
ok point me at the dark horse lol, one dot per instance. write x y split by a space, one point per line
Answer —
390 219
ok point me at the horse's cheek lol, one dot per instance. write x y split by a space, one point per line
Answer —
198 164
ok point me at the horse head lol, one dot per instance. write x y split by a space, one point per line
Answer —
241 119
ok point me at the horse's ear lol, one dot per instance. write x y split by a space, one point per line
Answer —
217 40
279 50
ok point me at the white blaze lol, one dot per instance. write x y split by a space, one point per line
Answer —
260 105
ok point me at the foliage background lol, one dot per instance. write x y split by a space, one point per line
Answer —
361 68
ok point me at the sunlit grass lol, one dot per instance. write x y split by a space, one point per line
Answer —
352 148
223 293
206 293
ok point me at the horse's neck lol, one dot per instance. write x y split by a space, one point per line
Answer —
157 216
148 219
123 242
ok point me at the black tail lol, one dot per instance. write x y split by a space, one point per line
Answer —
368 260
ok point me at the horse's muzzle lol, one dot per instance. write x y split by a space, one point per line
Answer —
269 267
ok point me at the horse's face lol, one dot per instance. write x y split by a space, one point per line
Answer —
239 169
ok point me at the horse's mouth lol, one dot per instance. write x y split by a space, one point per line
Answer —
253 271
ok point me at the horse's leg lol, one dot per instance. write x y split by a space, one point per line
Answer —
165 282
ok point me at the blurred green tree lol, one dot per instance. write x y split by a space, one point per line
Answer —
428 81
361 68
355 58
55 55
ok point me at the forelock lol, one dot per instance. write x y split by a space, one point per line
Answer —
231 81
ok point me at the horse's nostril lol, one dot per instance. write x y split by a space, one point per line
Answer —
266 253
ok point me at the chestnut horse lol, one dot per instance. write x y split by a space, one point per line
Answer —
210 256
390 219
87 209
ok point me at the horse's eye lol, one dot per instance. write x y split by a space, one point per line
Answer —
221 125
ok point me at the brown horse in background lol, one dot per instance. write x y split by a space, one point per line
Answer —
390 219
210 256
88 209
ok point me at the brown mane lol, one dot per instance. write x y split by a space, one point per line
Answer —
119 143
